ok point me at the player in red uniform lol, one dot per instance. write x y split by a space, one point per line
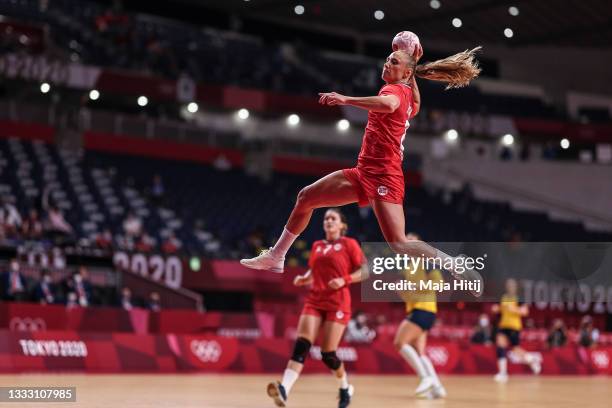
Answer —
378 179
334 263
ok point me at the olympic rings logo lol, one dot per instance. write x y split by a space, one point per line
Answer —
27 324
601 359
206 351
438 355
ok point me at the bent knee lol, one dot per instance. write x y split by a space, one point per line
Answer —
305 197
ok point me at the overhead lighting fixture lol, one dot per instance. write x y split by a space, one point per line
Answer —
299 9
94 94
143 100
451 135
514 11
457 22
293 120
508 33
343 125
565 143
192 107
45 87
379 14
243 114
507 140
434 4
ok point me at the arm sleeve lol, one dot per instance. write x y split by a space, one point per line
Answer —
390 90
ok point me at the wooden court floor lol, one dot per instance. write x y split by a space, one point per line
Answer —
314 391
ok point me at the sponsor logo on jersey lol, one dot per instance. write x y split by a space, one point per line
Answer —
382 191
337 247
339 314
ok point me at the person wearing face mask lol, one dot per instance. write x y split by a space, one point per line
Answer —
358 331
126 299
81 288
154 304
335 262
483 331
13 283
44 292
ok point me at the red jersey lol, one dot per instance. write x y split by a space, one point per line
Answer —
330 260
382 148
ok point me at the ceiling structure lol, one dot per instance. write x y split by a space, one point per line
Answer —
575 23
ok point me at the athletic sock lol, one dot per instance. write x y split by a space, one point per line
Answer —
412 357
431 370
502 366
343 381
289 378
283 244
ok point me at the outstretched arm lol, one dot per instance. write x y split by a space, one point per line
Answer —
383 103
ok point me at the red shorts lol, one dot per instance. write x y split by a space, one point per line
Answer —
339 316
380 187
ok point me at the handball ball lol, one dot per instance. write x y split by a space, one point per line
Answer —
405 40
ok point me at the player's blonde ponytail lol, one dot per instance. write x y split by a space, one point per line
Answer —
456 71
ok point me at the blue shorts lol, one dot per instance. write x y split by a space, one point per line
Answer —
425 320
514 336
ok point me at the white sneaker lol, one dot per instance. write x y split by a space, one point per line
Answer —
536 367
438 391
425 385
501 378
429 395
265 261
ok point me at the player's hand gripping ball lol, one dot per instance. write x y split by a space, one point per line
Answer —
408 41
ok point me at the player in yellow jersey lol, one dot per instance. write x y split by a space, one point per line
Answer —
509 332
411 337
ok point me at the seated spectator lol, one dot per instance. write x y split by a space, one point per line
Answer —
132 225
172 244
125 243
588 335
44 292
483 331
145 243
13 283
557 336
10 219
56 223
357 330
154 304
32 227
79 285
104 239
72 300
126 299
